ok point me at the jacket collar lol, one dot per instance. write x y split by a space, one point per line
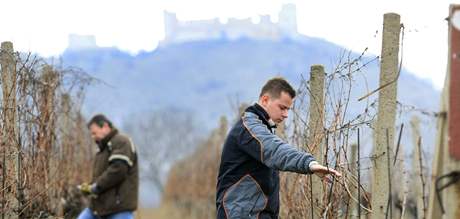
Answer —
106 140
263 115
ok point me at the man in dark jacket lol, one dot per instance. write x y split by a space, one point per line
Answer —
248 181
114 189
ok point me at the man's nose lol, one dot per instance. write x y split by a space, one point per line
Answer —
285 114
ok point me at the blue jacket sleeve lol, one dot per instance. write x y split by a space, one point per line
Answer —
266 147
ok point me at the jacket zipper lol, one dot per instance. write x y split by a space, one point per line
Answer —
117 196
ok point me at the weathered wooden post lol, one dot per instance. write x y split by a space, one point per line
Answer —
66 155
46 129
447 154
403 188
316 130
10 146
417 168
66 129
439 164
352 207
452 193
385 124
49 80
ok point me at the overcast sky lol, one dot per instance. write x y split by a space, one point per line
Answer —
134 25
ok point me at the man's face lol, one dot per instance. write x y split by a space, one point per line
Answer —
99 133
277 108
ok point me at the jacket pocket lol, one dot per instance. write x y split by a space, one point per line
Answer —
245 199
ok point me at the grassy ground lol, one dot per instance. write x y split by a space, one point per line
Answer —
163 212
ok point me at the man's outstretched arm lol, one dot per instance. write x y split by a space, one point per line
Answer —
271 150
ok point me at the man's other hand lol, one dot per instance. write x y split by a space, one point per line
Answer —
321 170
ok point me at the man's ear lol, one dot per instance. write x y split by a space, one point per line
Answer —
106 125
264 99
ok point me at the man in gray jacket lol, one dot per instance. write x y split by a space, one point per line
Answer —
248 181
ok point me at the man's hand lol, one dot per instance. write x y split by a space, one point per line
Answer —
322 171
88 189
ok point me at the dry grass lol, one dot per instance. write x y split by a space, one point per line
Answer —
47 140
165 211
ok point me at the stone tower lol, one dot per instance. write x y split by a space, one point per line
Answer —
288 19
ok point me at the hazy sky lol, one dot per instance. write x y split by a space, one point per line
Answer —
135 25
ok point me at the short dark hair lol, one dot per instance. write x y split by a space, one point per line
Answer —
275 86
100 120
